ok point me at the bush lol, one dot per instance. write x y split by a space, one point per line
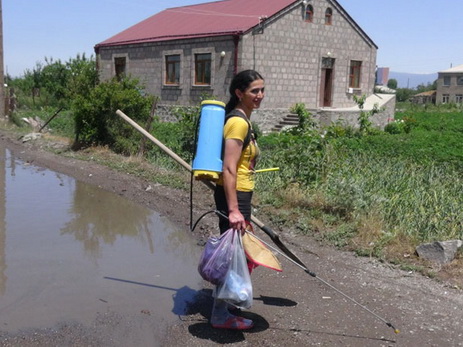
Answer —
95 116
306 123
179 136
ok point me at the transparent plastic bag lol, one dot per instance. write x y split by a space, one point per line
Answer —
216 258
237 287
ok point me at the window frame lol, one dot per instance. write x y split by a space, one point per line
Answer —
458 98
118 73
202 65
459 80
445 98
328 16
355 74
446 81
176 69
309 12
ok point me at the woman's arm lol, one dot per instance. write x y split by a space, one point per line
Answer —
232 155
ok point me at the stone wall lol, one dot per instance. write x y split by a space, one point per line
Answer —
267 118
147 63
349 117
264 118
289 52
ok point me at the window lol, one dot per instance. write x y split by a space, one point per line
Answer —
459 98
309 14
354 73
173 69
445 98
119 67
328 16
460 80
203 69
446 80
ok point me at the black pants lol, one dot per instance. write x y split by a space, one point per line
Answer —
244 205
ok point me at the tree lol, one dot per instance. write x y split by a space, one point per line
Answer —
404 94
392 83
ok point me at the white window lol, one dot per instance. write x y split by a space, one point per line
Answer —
460 80
459 98
445 98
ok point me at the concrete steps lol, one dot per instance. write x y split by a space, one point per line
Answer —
290 120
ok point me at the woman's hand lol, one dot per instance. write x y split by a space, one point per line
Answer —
237 221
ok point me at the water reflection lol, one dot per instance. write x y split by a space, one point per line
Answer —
59 239
2 222
100 218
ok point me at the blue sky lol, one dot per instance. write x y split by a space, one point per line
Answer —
415 36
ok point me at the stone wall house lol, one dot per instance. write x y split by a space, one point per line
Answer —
308 51
450 86
428 97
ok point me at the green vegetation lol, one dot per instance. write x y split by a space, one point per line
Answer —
376 192
379 193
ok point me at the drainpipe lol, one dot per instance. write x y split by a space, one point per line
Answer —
97 58
236 41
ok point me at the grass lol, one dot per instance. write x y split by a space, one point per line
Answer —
378 195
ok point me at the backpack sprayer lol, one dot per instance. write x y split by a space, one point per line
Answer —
207 162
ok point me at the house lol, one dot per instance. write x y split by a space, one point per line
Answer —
428 97
450 86
309 51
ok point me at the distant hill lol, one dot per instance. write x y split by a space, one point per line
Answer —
411 80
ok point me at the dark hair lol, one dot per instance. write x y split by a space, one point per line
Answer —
241 81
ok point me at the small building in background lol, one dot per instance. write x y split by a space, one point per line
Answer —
428 97
382 76
450 86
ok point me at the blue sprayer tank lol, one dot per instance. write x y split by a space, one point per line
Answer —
207 163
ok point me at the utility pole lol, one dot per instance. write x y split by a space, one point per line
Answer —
2 70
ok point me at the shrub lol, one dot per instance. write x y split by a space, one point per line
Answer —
95 116
306 123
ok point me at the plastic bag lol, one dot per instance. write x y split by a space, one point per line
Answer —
216 258
237 287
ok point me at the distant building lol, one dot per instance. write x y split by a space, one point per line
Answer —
382 76
428 97
450 86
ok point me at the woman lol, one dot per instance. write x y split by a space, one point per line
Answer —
234 189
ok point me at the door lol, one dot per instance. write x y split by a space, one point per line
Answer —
326 85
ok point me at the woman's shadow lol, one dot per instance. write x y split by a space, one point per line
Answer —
202 304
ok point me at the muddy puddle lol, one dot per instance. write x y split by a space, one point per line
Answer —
75 257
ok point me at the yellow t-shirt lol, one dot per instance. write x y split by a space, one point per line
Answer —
237 128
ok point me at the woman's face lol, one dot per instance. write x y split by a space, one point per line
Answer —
252 96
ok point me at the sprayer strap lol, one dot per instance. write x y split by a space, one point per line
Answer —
236 113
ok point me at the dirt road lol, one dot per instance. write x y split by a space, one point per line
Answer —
290 308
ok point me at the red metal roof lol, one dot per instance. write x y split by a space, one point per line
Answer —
208 19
